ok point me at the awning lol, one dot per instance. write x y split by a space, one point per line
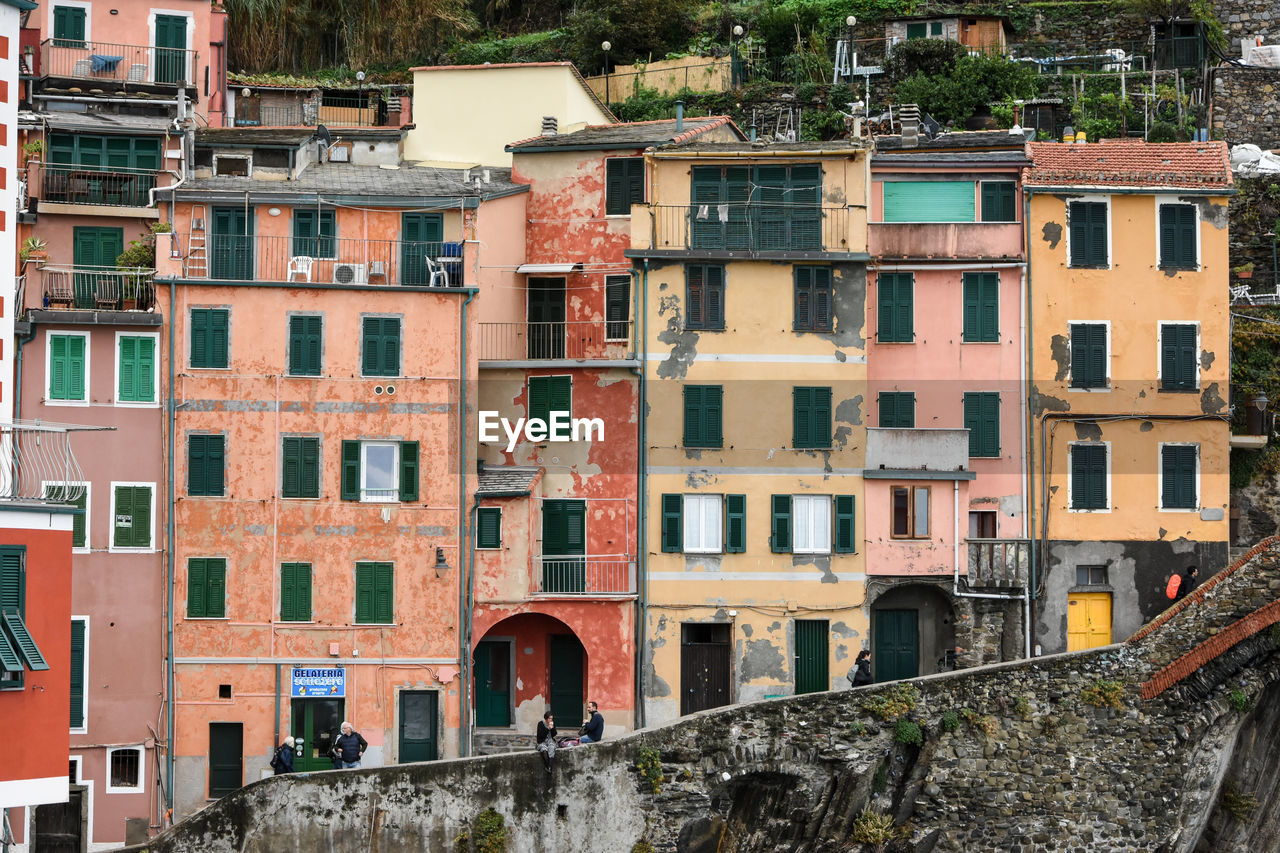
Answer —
17 632
538 269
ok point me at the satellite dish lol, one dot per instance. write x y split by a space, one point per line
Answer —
323 133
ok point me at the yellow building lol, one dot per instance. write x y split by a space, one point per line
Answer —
751 262
1130 365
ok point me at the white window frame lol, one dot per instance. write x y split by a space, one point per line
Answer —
187 57
141 787
1070 479
83 728
48 368
1106 389
87 5
1160 446
1160 324
155 370
88 502
111 536
813 501
248 158
1161 202
713 546
394 497
1105 198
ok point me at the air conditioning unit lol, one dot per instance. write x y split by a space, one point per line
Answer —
350 274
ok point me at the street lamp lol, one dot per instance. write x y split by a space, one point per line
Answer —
605 46
850 22
733 54
360 97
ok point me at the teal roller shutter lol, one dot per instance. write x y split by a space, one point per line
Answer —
408 471
735 524
929 201
672 527
845 527
351 470
780 536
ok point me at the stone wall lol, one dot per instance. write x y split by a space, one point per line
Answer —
1246 105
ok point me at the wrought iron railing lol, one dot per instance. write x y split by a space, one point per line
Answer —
112 187
749 227
249 114
1002 563
576 340
610 575
97 288
117 63
36 463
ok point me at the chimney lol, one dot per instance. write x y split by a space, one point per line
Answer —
909 115
549 126
679 116
486 175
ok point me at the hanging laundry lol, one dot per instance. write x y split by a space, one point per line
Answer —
722 211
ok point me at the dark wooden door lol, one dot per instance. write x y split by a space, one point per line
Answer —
493 683
59 826
567 701
317 723
897 645
226 758
811 656
546 314
418 731
232 244
171 49
704 667
421 236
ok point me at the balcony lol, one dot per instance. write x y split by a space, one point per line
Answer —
749 230
320 260
96 288
890 240
35 455
578 341
584 576
116 64
94 185
918 453
999 563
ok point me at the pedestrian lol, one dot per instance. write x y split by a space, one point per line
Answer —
545 740
282 761
1190 578
861 672
592 726
349 746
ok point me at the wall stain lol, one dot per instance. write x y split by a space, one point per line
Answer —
1214 214
684 344
761 659
1051 234
1042 403
849 285
820 562
1088 431
1146 426
1206 359
1060 352
1211 402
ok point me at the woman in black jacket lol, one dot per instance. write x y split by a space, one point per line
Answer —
861 672
546 739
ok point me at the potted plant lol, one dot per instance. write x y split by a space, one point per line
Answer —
33 150
33 249
1244 270
138 262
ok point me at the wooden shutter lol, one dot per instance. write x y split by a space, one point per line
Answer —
705 229
803 298
695 296
811 417
617 306
982 419
823 298
127 391
391 346
199 337
917 31
295 592
1178 356
291 467
408 471
998 201
215 587
12 585
554 528
713 415
897 409
218 337
1178 236
820 423
672 524
845 527
77 673
1088 234
615 187
1088 355
75 367
714 291
304 232
215 464
735 524
197 588
1178 477
693 416
895 311
144 369
309 469
737 194
122 535
58 367
780 526
981 306
364 593
141 517
304 346
351 470
198 465
488 527
1088 476
540 398
560 393
370 361
383 593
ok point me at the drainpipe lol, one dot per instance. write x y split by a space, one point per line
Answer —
642 559
18 344
1029 447
277 714
168 573
152 192
464 590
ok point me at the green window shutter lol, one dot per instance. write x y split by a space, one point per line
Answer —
800 415
617 307
408 471
381 350
304 232
929 201
383 593
80 522
917 31
291 467
218 333
1178 356
77 673
66 367
714 282
735 524
1088 233
560 393
982 419
712 415
202 479
13 598
1088 476
575 529
69 26
75 367
999 201
295 592
540 398
123 534
1088 355
704 297
780 527
624 185
813 298
23 642
845 527
197 589
894 310
981 307
309 469
693 416
897 409
199 337
672 524
142 517
1178 477
216 586
140 368
127 392
209 330
1178 236
555 525
489 527
351 470
304 345
935 28
364 593
811 417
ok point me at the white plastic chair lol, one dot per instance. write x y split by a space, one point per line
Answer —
436 272
137 73
81 68
300 265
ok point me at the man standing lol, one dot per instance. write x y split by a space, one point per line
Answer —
1190 578
349 746
592 726
282 761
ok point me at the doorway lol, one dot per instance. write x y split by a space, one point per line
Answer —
226 758
60 827
566 671
232 244
546 313
564 544
897 644
811 672
421 235
316 723
419 736
704 666
493 683
1088 620
171 49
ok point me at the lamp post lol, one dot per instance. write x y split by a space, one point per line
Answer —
850 22
360 97
734 75
605 46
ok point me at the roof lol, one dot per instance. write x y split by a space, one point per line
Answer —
632 134
967 139
254 137
943 159
509 65
108 123
20 5
831 146
349 180
1003 19
507 481
1189 165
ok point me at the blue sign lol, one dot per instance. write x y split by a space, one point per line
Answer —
318 683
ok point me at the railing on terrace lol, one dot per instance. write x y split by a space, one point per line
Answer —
97 288
352 110
573 340
324 260
33 455
269 115
586 576
751 227
102 185
117 63
1002 563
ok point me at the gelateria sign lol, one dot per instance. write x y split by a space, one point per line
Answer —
316 683
558 427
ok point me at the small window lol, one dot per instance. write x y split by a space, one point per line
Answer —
702 524
981 307
306 340
623 185
811 417
910 508
375 594
549 394
982 419
314 233
136 369
1089 355
232 165
917 31
1089 476
999 201
1091 575
897 409
1178 236
617 307
380 351
300 467
1178 476
125 767
131 518
813 299
1178 361
380 471
894 311
982 524
489 527
704 302
295 592
1088 233
68 368
69 29
206 463
703 416
209 328
206 588
935 29
812 519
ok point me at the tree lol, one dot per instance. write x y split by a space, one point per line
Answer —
974 80
637 29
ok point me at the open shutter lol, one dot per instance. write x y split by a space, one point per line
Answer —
24 642
408 471
77 673
672 527
197 593
714 284
735 524
615 188
804 298
780 527
1168 236
844 538
351 470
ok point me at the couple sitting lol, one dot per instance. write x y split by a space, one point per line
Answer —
548 740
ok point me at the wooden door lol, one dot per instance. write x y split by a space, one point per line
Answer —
419 736
704 667
566 670
232 244
493 683
59 827
546 314
1088 620
421 236
226 758
171 49
897 645
811 672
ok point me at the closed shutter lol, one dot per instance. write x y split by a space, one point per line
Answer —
736 195
488 527
540 398
351 470
1088 355
143 370
77 673
929 201
998 201
1088 234
894 311
917 31
66 367
1178 236
295 592
672 527
408 471
1088 476
12 584
897 409
294 467
982 419
68 26
845 527
813 299
981 307
197 588
142 516
206 457
695 296
128 370
735 524
381 346
218 338
199 337
714 296
1178 356
811 417
617 307
560 394
780 524
125 518
554 528
384 593
216 586
624 185
364 593
705 229
304 345
1178 477
804 199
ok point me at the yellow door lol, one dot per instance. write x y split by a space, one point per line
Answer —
1088 620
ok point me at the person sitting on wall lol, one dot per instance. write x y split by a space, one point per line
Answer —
545 740
592 726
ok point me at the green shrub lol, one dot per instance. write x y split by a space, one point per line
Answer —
950 721
880 782
650 766
1238 804
893 702
1104 694
528 47
857 728
930 57
1239 700
978 721
490 833
1021 706
873 827
951 98
642 846
908 732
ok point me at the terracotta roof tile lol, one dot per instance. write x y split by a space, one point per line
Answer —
1190 165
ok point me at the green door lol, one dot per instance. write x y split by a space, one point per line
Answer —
226 758
232 244
564 544
566 682
317 723
493 683
421 236
811 656
171 49
418 710
546 313
94 252
897 645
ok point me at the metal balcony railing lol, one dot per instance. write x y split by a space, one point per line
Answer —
324 260
112 187
586 576
252 114
36 463
1002 563
751 228
117 63
97 288
602 339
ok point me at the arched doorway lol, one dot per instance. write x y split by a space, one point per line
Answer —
525 665
913 632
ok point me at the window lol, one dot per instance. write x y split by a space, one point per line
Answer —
917 31
1091 575
125 767
69 26
617 307
982 524
897 409
910 509
1178 362
813 299
131 520
1178 476
79 673
136 369
209 337
380 355
17 648
206 588
300 467
704 297
68 367
702 532
929 201
802 524
1178 236
894 311
772 208
75 494
489 527
811 417
812 519
935 28
206 462
105 153
623 185
982 419
999 201
702 523
1088 233
375 593
295 592
549 394
981 307
1089 355
305 344
313 233
1089 476
703 415
379 471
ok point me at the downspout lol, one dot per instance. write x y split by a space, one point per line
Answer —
152 192
1029 447
277 713
465 591
18 344
168 574
642 575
